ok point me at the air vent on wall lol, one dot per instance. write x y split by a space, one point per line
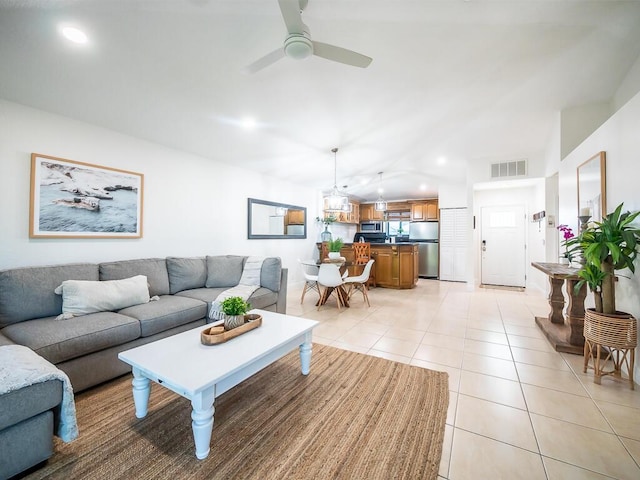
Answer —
517 168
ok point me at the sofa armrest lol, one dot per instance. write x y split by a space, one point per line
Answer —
281 305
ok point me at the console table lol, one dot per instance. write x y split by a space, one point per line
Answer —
566 335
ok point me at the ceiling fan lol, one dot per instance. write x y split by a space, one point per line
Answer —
298 44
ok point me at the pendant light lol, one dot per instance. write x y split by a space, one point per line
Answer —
336 201
381 203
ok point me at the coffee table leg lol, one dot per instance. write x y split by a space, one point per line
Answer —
202 424
141 390
305 354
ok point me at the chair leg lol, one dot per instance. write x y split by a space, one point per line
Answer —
304 290
365 295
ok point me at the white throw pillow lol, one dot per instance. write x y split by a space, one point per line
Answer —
80 297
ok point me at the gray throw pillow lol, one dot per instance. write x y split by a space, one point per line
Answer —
186 273
224 271
270 273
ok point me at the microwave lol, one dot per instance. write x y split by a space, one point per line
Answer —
371 227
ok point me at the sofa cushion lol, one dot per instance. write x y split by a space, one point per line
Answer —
155 269
58 341
27 293
270 273
261 298
186 273
18 405
168 312
224 270
80 297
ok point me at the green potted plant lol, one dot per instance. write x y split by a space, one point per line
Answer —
334 248
234 309
607 246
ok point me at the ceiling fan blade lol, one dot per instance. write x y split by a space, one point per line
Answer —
341 55
264 62
292 17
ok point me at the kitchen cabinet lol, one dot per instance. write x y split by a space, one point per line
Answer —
350 217
368 213
424 211
295 217
396 265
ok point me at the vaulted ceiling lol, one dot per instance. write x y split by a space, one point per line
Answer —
451 82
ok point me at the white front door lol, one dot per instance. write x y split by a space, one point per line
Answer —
503 244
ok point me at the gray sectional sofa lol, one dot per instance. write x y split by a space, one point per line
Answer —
86 346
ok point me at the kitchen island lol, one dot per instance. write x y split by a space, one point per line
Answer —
396 264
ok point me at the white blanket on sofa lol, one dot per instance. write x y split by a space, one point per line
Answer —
249 283
20 367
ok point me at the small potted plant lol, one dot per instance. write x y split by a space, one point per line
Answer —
334 248
234 309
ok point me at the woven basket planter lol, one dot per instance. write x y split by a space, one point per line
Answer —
609 337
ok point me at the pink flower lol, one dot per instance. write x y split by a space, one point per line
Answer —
566 231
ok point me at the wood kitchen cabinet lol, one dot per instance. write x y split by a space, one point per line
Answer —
396 265
368 213
350 217
295 217
424 211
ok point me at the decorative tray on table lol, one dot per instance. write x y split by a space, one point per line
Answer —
217 334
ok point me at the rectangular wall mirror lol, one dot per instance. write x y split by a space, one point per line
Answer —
275 220
592 193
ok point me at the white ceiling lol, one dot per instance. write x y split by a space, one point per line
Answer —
467 81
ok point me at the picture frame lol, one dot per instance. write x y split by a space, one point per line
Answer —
71 199
592 192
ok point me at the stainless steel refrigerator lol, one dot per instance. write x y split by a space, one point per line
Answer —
426 235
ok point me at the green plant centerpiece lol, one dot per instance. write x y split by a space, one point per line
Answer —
334 247
234 309
607 246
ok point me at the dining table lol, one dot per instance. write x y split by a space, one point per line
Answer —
342 264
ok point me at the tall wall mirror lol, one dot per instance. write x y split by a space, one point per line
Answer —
592 193
275 220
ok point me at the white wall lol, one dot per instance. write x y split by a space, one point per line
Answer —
192 205
620 139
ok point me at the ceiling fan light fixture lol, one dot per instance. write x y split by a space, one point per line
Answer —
298 47
381 203
336 201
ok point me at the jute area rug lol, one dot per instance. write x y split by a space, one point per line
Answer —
353 417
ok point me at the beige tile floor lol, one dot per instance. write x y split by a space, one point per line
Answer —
518 409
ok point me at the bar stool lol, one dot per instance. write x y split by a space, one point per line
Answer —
617 336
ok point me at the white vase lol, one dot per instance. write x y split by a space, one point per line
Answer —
564 261
334 255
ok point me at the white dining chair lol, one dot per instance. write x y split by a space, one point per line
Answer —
359 282
330 279
310 272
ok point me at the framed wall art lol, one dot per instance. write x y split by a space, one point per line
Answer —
72 199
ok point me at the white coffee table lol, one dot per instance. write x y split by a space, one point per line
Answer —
201 373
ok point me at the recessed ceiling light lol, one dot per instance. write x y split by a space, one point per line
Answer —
442 161
248 123
75 35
